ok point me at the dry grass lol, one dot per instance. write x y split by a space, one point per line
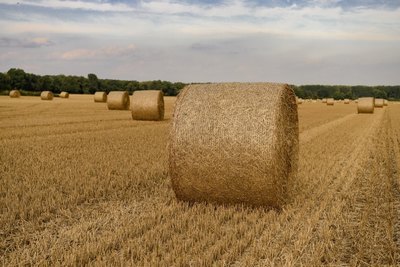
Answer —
82 185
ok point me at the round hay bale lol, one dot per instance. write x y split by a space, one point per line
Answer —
330 101
347 101
100 97
299 100
365 105
15 94
118 100
46 95
324 100
234 143
64 95
379 102
148 105
385 102
356 101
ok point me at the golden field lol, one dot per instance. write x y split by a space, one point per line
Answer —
82 185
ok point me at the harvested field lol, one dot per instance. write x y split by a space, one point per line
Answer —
80 185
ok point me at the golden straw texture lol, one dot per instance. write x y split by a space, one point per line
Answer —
100 97
64 95
365 105
330 101
46 95
148 105
379 102
234 143
15 94
118 100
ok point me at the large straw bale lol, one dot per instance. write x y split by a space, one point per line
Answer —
46 95
234 143
15 94
379 102
347 101
100 97
118 100
365 105
148 105
330 101
64 95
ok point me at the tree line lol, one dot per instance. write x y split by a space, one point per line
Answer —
34 84
350 92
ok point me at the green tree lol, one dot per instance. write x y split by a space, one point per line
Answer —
93 83
5 83
17 78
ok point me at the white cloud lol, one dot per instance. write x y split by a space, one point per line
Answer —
67 4
99 53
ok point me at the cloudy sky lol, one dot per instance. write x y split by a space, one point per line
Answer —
300 42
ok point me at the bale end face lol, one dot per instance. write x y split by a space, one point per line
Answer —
234 143
118 100
148 105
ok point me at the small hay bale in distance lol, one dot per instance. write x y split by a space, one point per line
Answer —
15 93
64 95
324 100
330 101
379 102
385 102
118 100
299 100
347 101
46 95
148 105
100 97
234 143
365 105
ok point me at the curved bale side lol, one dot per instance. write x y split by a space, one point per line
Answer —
118 100
330 101
46 95
379 103
366 105
15 93
100 97
64 95
148 105
234 143
347 101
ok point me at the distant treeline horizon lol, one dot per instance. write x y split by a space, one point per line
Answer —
33 84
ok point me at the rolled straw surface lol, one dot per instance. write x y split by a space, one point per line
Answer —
46 95
234 143
100 97
366 105
148 105
118 100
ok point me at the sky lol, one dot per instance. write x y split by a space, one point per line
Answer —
299 42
